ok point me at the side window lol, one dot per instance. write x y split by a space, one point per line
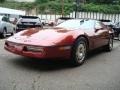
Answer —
103 25
5 19
87 24
98 25
118 24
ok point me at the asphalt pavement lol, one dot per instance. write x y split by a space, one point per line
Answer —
101 71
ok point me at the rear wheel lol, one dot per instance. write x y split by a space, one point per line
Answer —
119 36
4 34
109 46
79 51
13 32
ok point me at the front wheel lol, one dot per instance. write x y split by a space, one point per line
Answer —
4 33
79 51
13 32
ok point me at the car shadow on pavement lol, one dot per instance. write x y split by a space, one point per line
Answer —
40 64
50 64
96 53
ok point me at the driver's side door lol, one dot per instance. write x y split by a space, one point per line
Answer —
101 34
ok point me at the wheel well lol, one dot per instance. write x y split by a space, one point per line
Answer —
14 29
5 29
112 34
85 38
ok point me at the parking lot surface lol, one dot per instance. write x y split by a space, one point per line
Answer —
101 71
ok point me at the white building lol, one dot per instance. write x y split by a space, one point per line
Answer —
11 12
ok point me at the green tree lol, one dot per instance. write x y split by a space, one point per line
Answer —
1 1
41 1
101 1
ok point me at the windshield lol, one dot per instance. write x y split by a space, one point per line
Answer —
76 24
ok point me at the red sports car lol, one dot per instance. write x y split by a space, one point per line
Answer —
71 39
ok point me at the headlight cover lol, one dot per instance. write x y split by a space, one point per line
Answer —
34 48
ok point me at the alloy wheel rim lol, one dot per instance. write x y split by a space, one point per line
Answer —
119 36
4 33
111 44
80 53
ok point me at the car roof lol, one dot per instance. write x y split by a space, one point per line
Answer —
34 17
104 20
85 19
65 18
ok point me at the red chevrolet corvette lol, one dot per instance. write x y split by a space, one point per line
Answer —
71 39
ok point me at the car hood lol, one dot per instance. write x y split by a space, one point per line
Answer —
43 37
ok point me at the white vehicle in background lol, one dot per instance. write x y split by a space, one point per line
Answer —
26 22
6 27
44 21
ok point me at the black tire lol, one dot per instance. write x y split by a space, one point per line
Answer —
109 46
4 33
119 36
79 51
43 23
13 32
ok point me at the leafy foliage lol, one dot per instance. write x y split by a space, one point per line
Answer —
1 1
101 8
41 1
55 6
101 1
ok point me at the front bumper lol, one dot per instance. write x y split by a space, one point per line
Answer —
49 52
